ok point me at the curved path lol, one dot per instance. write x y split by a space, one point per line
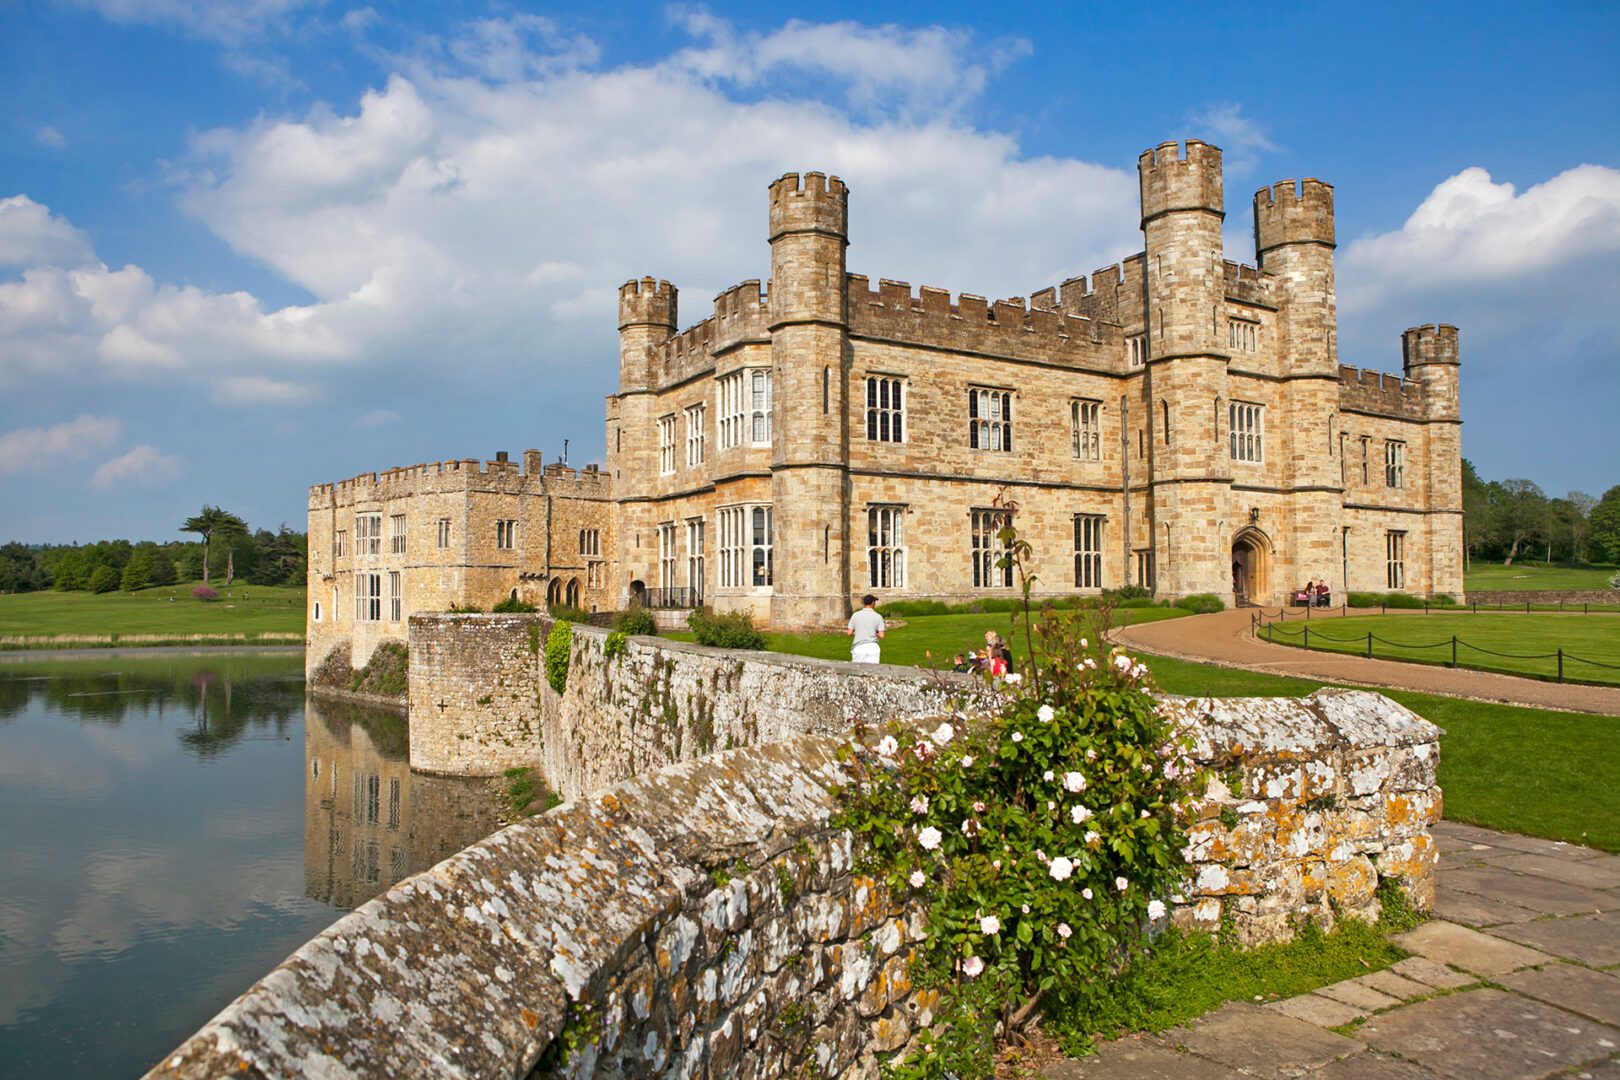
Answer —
1223 639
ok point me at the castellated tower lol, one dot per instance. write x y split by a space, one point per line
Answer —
809 328
1431 358
647 318
1182 211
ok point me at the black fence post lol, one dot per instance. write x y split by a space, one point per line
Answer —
1560 665
1369 644
1453 650
1307 639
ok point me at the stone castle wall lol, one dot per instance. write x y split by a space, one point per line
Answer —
703 919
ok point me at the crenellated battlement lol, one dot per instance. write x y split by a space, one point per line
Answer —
1175 180
1249 284
1434 344
646 302
741 314
1386 394
1288 214
1009 327
814 202
1111 291
462 473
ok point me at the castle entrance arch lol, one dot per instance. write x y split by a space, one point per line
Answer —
1251 567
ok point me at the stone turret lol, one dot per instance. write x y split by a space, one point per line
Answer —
1182 211
1430 358
647 317
809 328
1294 240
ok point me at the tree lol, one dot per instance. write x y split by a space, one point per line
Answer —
104 580
1476 512
1521 515
1604 525
210 522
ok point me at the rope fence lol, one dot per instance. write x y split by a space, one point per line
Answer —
1302 639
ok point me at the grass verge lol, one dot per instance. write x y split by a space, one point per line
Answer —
166 614
1185 975
1533 576
1511 644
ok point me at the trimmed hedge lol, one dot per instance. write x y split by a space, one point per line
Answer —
1202 603
732 630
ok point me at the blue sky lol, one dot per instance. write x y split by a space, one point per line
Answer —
249 245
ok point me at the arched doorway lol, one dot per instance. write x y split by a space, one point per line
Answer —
554 593
1251 567
573 592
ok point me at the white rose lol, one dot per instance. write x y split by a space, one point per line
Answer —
1079 814
1121 884
1046 712
1060 869
990 925
887 747
1018 736
918 879
929 838
919 804
1155 909
972 966
1047 776
1064 931
1074 782
943 734
1015 678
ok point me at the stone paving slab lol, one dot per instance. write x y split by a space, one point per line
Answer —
1139 1059
1372 1066
1601 872
1324 1012
1396 986
1536 893
1474 910
1591 939
1489 1035
1458 830
1482 954
1609 1070
1593 994
1430 973
1261 1042
1362 997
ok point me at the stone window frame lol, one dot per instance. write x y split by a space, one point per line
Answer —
1135 350
666 445
340 543
886 408
986 549
368 534
1085 431
315 613
1394 463
886 546
668 554
1242 335
759 400
992 433
595 574
729 394
1395 558
506 534
696 556
367 596
696 422
444 533
1366 441
1146 571
747 547
1246 431
590 542
396 596
396 534
1088 550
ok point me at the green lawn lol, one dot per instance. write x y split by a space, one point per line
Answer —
1514 644
1530 576
942 635
167 610
1531 771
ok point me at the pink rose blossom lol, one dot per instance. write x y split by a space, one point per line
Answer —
967 761
990 925
1155 909
1063 930
1121 884
979 808
1086 893
919 804
972 967
1078 814
1074 782
917 879
943 734
929 838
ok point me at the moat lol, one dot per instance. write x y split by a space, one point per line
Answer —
171 828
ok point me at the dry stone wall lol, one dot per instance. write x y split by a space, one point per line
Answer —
703 920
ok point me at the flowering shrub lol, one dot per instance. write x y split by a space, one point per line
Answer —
203 592
1041 833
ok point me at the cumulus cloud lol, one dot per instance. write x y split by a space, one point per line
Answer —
49 137
30 236
1472 229
258 390
72 440
142 465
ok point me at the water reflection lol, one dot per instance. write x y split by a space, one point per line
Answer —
165 841
368 820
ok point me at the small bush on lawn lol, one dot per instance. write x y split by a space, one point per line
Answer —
1127 592
1202 603
636 620
1443 600
513 606
1403 600
732 630
203 592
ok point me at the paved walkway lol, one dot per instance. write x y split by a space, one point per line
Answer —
1223 638
1518 978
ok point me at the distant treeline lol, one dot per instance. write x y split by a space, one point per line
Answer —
1511 519
258 557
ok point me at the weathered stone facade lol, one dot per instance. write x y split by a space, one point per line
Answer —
452 534
1180 421
703 920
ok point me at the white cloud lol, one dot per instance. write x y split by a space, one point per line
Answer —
1472 229
258 390
1242 141
144 464
226 21
48 136
899 70
72 440
376 418
30 235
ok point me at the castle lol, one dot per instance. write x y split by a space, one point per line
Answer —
1177 421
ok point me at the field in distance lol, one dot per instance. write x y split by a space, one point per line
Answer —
163 610
1534 576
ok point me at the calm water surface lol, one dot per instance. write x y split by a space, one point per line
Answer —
171 828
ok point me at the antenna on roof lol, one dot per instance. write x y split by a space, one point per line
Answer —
565 452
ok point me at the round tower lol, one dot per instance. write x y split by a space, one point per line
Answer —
1293 239
1182 211
647 317
809 230
1430 357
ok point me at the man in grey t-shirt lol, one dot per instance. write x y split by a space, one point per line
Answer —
866 627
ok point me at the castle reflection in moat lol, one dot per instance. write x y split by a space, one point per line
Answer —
369 821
